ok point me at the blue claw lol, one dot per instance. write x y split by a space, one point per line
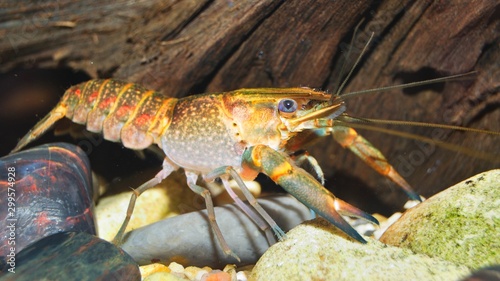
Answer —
304 187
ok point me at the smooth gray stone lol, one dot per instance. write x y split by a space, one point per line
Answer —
189 240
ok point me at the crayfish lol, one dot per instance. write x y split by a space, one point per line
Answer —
232 135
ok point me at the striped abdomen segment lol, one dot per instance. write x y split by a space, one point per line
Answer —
122 111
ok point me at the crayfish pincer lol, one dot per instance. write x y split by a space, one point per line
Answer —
232 135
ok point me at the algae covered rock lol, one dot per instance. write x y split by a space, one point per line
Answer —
316 250
460 224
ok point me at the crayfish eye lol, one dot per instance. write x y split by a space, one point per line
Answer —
287 106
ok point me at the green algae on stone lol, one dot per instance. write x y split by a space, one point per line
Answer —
316 250
460 224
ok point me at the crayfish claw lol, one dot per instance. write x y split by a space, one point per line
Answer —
337 220
413 195
347 209
293 179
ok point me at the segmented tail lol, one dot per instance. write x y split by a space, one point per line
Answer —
121 111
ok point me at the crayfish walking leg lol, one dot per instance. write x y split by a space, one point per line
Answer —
205 193
251 199
164 173
264 226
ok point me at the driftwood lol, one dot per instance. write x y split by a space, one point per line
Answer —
188 47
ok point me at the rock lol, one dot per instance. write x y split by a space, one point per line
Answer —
171 197
150 269
44 190
316 250
460 224
195 273
163 276
176 268
73 256
491 273
219 276
177 272
188 239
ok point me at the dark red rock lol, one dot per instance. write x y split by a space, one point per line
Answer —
49 189
72 256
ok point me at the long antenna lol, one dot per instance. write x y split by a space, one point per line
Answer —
352 68
346 59
407 85
423 124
